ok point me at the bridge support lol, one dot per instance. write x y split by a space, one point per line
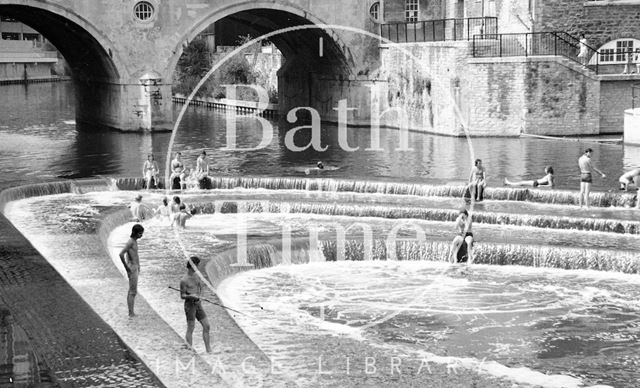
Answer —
322 91
142 106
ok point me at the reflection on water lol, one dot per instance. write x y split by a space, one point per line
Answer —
38 141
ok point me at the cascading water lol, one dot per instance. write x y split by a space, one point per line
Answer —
599 199
347 306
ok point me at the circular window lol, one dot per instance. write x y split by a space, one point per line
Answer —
143 11
374 11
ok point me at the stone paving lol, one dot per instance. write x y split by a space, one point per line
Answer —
157 339
74 346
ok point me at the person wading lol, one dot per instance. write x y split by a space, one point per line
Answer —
131 262
190 291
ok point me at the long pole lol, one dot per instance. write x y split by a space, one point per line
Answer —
217 304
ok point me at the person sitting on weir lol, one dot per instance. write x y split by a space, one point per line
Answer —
188 180
177 168
202 171
477 181
628 178
150 172
545 181
462 244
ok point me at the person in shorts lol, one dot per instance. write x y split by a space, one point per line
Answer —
545 181
131 262
190 292
462 245
586 165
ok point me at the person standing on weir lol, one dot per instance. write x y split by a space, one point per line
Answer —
190 292
586 165
131 262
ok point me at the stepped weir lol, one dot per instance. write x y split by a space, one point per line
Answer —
280 226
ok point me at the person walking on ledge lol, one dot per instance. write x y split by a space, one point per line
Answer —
190 291
131 262
545 181
586 165
462 244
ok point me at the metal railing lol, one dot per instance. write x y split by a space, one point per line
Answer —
535 43
438 30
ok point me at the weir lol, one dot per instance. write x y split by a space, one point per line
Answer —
559 197
510 229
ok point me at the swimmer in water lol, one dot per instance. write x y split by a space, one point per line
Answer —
320 167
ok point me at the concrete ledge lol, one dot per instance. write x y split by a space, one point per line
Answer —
600 3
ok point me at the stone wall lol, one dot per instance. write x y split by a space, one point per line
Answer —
421 79
21 71
616 98
561 99
539 95
444 90
600 21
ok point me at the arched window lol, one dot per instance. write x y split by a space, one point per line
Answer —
374 11
616 51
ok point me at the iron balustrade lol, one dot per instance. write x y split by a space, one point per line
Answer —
438 30
535 43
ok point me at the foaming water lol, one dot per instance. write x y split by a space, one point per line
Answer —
417 306
539 320
599 199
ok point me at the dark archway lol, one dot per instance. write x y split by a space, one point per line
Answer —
88 59
314 58
95 69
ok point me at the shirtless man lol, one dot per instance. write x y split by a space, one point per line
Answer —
628 178
202 171
585 176
190 291
177 168
180 218
461 246
131 262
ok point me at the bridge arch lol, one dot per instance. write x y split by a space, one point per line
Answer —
334 47
91 55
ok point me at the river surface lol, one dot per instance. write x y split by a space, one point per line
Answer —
39 140
565 328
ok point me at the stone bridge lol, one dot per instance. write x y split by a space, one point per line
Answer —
123 53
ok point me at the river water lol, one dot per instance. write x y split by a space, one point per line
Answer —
39 140
551 322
